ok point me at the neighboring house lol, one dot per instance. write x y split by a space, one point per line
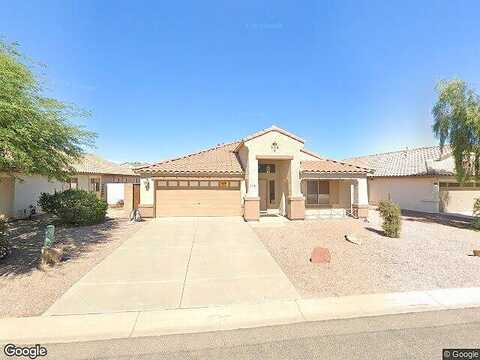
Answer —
269 172
421 179
93 173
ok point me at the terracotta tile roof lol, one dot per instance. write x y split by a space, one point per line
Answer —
409 162
332 167
218 160
93 164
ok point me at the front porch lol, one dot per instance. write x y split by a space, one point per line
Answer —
320 195
335 195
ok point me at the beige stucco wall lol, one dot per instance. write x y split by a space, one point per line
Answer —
334 193
243 158
83 182
458 201
147 191
6 196
28 190
411 193
345 189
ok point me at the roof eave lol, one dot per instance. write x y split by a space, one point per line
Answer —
334 172
193 173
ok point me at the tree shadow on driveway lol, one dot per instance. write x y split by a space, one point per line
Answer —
26 238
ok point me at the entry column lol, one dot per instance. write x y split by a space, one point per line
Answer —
296 201
251 210
360 198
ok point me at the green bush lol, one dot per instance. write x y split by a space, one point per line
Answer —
74 207
390 213
476 215
4 244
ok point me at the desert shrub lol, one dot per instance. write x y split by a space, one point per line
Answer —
74 207
476 215
4 244
390 213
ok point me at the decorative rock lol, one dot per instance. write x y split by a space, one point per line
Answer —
320 255
51 256
353 239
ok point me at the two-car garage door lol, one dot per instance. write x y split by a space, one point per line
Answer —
197 198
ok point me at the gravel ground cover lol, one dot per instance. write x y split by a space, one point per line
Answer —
27 290
432 252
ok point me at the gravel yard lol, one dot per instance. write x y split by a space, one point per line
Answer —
432 253
25 290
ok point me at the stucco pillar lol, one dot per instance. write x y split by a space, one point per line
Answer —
295 200
360 197
251 210
128 198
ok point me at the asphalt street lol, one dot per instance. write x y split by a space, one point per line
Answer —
407 336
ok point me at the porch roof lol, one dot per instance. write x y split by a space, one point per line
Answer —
329 166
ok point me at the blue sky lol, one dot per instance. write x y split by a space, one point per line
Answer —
167 78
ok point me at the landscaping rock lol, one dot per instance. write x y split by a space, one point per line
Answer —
51 256
353 239
320 255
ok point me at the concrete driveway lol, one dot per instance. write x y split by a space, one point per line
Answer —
180 263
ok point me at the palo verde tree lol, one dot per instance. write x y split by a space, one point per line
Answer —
36 135
457 121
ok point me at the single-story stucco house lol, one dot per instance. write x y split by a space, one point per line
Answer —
421 179
268 172
92 173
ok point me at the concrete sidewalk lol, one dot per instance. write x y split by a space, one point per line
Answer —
71 328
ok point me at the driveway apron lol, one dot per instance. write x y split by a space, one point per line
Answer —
175 263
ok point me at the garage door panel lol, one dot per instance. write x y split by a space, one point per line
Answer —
197 202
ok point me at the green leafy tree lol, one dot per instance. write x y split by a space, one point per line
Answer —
36 135
457 120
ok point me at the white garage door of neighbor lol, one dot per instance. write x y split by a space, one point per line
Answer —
188 198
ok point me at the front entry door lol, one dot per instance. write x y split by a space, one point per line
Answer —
263 194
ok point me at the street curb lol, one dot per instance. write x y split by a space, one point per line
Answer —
88 327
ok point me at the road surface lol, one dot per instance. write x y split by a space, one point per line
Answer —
407 336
